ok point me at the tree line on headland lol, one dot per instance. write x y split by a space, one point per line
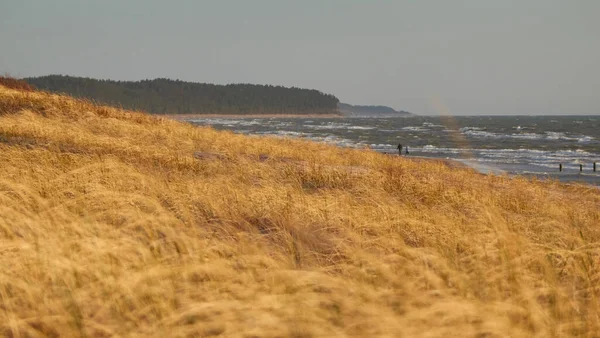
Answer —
165 96
371 111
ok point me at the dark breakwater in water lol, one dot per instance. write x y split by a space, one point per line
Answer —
524 145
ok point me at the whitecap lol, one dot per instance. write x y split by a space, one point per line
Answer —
411 128
360 128
429 124
585 139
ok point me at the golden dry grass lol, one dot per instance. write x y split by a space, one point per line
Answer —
110 227
12 83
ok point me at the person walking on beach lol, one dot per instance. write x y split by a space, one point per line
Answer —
406 150
400 149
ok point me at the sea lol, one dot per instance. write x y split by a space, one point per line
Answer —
512 145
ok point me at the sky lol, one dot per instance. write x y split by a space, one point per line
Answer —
461 57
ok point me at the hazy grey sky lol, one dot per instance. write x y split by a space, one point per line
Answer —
473 56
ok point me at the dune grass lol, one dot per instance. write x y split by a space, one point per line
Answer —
109 226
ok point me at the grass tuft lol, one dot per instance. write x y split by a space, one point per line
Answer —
17 84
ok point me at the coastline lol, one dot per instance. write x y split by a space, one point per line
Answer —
489 170
187 117
451 163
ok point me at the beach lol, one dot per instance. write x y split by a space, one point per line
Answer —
121 223
532 146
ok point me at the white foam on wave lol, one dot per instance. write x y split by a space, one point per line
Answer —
553 165
413 128
477 132
499 159
282 124
286 133
554 135
522 155
431 125
382 146
328 126
360 128
463 129
329 139
585 139
433 149
548 135
527 172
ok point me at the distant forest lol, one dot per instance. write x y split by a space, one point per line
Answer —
371 111
164 96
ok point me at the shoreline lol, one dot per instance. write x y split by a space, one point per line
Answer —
489 170
452 163
187 117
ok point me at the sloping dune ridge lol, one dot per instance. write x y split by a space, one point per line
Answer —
118 223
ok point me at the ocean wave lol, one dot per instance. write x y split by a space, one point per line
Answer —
463 129
328 126
547 135
552 135
214 121
359 128
281 124
286 133
514 154
498 160
525 136
585 139
431 125
433 149
554 165
337 127
417 128
329 139
478 132
382 146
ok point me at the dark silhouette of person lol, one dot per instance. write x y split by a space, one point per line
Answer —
406 150
400 149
